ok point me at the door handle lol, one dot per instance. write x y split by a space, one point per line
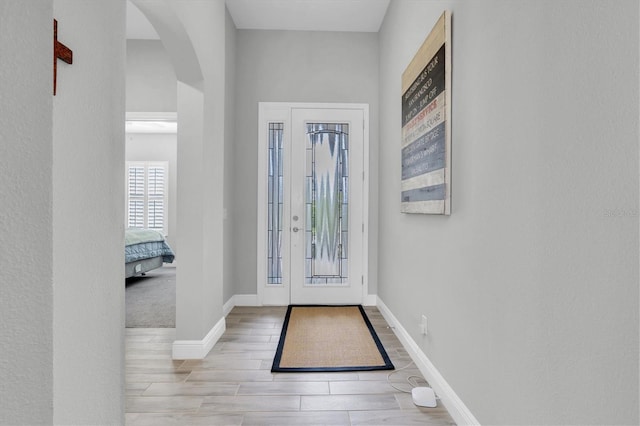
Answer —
295 229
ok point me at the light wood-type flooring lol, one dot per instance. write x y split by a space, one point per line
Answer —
233 385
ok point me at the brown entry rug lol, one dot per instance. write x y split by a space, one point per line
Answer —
329 338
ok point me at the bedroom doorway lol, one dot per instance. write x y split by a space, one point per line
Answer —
151 188
151 152
312 202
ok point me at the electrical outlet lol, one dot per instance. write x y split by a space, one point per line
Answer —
423 325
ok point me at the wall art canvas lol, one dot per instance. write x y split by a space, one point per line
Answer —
426 125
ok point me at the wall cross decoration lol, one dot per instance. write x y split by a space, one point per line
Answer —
60 51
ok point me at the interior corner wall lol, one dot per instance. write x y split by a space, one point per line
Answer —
26 217
205 24
295 66
88 207
151 79
201 144
229 147
189 282
159 147
530 287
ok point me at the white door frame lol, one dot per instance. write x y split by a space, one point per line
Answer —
281 112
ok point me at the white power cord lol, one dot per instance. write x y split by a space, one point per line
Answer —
411 382
422 396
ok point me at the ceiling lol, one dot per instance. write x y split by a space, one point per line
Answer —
304 15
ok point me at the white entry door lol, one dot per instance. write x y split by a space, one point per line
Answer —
313 204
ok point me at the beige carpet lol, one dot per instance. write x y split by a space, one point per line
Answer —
329 338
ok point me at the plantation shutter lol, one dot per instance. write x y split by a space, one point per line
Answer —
135 192
147 195
155 197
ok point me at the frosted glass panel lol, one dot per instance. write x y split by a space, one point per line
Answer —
327 203
274 206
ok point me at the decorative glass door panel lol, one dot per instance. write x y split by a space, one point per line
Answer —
327 203
275 200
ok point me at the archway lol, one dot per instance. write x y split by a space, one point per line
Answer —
193 36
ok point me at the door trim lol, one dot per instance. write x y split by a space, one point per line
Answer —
281 112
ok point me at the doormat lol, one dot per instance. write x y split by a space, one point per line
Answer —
329 338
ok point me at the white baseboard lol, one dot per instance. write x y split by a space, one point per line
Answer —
370 300
252 300
198 349
240 300
246 300
227 307
448 397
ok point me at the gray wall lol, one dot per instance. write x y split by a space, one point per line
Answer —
26 216
151 79
62 314
531 285
294 66
88 202
229 137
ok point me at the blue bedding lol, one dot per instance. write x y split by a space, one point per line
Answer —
144 244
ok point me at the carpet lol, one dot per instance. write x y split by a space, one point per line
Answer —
151 299
329 338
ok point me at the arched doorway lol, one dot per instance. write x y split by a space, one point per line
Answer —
192 34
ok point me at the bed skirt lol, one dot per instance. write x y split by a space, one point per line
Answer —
141 266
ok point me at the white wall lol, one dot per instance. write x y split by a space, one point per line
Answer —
151 80
88 205
26 218
295 66
158 147
531 285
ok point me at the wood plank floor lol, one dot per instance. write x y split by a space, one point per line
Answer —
234 384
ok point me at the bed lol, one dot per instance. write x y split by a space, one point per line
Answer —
145 250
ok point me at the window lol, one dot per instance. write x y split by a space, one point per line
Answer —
147 195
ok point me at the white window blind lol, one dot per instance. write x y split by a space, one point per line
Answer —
147 195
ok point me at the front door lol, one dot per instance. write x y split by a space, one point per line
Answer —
313 203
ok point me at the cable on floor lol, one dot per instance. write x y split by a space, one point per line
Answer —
410 379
